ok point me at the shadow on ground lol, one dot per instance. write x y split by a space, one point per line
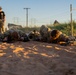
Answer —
36 58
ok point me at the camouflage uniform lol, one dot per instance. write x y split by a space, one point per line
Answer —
22 36
52 36
34 35
15 35
2 19
45 33
57 37
1 26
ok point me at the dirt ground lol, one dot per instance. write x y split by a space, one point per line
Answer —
36 58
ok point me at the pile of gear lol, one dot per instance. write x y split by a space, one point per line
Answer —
44 35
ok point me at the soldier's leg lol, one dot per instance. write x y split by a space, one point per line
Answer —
0 26
3 28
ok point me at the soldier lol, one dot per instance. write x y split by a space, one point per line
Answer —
22 36
58 37
2 20
34 35
10 36
15 35
44 31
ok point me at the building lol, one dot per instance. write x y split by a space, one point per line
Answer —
56 23
13 26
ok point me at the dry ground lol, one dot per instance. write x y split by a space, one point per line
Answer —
36 58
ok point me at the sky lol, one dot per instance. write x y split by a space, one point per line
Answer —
40 12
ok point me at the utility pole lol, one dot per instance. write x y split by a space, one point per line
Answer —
71 20
26 16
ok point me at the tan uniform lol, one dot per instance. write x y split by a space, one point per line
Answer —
2 20
1 26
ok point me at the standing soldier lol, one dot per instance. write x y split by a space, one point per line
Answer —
2 20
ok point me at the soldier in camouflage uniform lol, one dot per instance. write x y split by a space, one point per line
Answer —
58 37
34 35
53 36
45 33
14 35
2 20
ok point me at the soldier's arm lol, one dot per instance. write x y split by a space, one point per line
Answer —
4 18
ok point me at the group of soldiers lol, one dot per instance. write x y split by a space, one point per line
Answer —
50 36
45 34
53 36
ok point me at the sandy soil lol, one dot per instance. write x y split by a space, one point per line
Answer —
36 58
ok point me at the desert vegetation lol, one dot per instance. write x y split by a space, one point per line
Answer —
64 27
